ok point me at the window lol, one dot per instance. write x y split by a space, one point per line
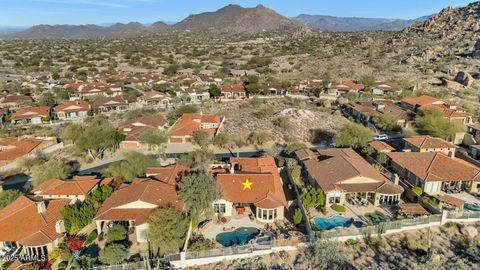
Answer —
219 208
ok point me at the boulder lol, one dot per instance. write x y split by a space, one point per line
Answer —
464 78
470 231
477 45
452 85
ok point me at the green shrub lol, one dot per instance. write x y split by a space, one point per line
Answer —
90 238
338 208
417 190
351 242
62 265
376 242
433 201
297 216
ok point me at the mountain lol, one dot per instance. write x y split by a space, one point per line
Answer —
350 24
234 19
451 34
44 31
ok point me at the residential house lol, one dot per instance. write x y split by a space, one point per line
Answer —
342 88
452 112
14 101
110 104
133 203
34 226
14 148
413 103
386 88
135 128
429 144
194 95
251 185
94 89
436 172
364 112
273 88
74 190
381 147
72 110
183 129
307 86
233 91
32 115
155 99
344 176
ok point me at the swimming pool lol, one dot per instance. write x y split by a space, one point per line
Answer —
334 222
471 207
239 236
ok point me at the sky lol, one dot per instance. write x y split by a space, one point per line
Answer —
31 12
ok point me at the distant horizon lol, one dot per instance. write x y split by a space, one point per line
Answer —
103 12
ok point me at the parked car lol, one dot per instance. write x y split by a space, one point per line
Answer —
380 137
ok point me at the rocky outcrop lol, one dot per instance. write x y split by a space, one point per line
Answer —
452 85
464 78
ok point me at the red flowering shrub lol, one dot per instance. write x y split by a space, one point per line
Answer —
75 243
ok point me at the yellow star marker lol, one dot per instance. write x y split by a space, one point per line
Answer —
247 185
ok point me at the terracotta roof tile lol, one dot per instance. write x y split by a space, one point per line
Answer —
266 189
40 228
436 166
428 142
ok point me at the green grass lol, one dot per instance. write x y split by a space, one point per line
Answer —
338 208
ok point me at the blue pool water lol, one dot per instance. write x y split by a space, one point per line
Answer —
240 236
471 207
333 222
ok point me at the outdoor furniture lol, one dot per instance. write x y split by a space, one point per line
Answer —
240 210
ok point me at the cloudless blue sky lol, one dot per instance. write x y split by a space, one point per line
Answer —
29 12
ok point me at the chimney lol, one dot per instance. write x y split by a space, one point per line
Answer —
232 167
59 227
41 207
395 179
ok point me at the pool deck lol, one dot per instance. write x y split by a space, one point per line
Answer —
233 224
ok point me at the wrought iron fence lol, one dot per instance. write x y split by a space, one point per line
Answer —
380 228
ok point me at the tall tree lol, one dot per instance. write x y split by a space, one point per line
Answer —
8 196
167 229
430 121
155 139
97 137
201 138
134 165
353 135
50 170
198 191
113 254
386 122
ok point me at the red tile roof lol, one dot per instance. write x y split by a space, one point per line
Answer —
266 188
188 123
436 166
31 112
335 169
169 174
109 101
21 222
421 100
133 129
232 88
149 191
428 142
61 187
348 86
17 147
73 106
380 146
